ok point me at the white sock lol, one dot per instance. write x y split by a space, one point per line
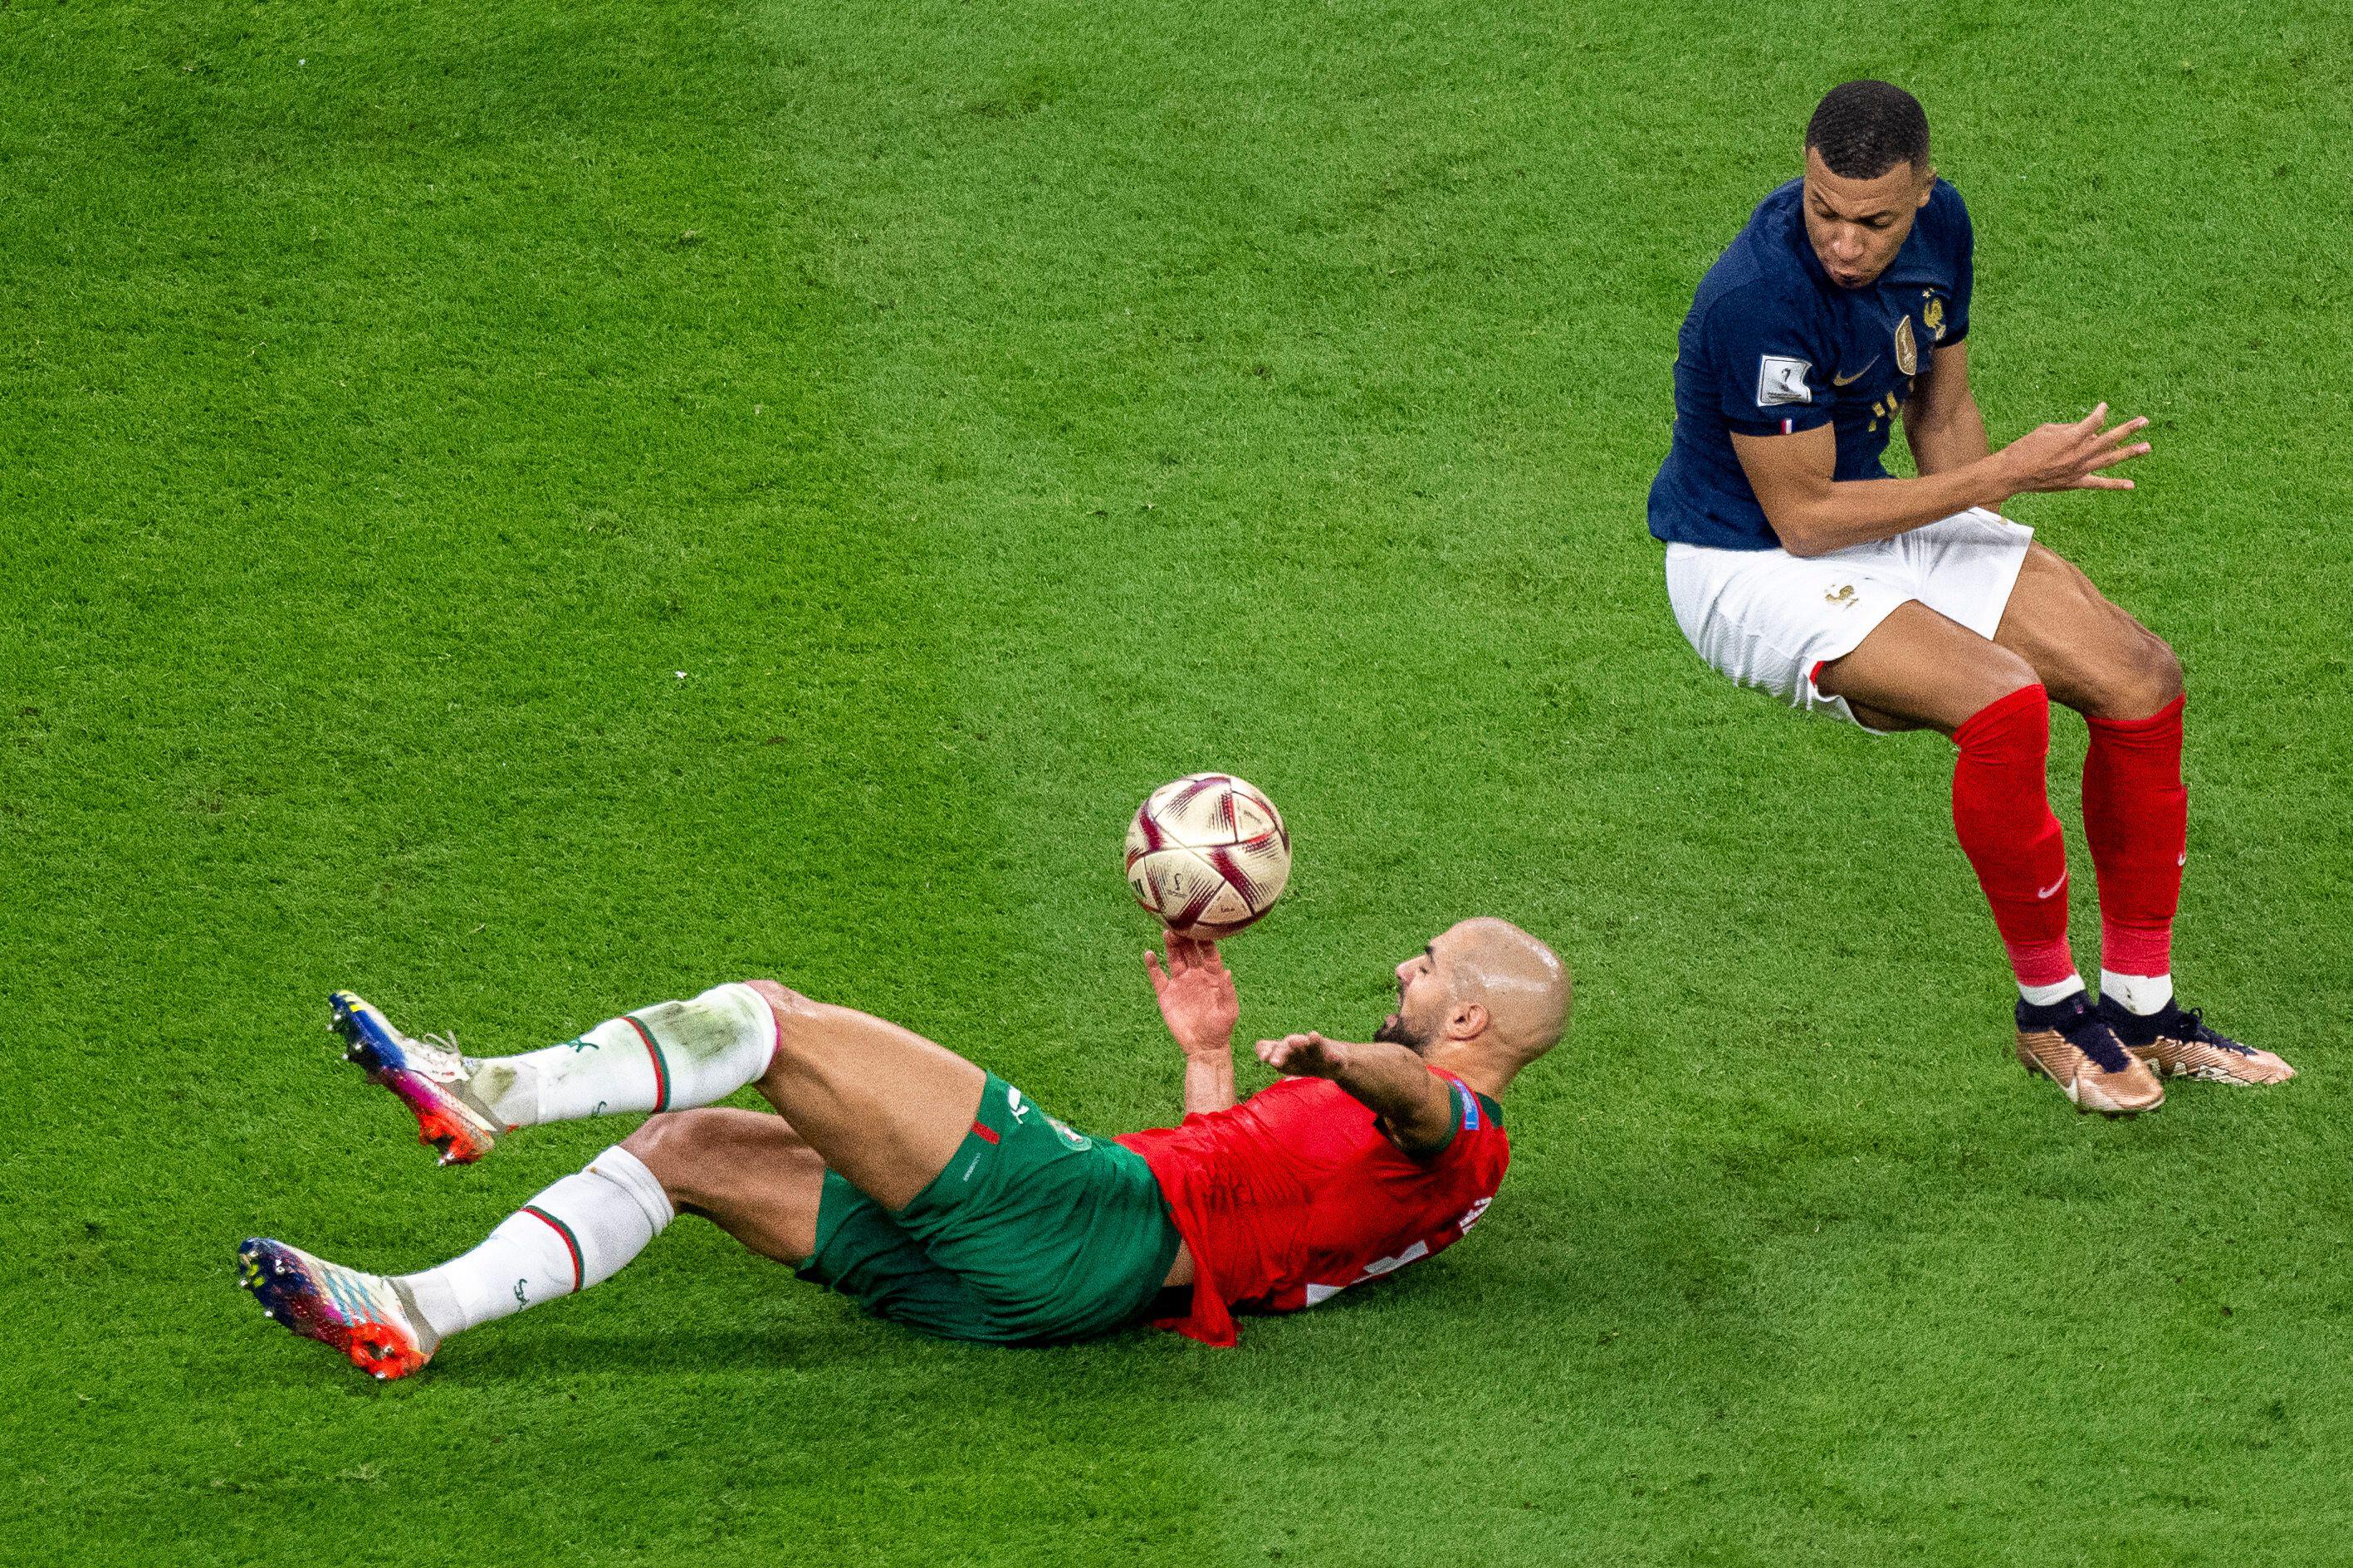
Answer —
668 1057
2141 994
2043 995
577 1234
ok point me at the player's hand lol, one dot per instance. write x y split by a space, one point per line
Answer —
1305 1056
1196 995
2072 457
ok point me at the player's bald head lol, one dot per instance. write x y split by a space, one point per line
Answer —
1523 983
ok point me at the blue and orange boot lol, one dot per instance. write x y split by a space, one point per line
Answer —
2177 1042
367 1317
429 1076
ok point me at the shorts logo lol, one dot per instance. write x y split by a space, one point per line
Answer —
2046 892
1782 380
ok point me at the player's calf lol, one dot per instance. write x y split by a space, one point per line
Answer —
747 1172
2088 650
671 1056
578 1232
2131 677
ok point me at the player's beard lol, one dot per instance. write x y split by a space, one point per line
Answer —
1395 1031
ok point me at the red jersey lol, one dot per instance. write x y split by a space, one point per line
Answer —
1294 1194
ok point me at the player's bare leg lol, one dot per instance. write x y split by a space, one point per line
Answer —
2126 682
2091 654
747 1172
1921 667
1921 671
881 1104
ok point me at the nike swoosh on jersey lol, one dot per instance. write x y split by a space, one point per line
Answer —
1843 380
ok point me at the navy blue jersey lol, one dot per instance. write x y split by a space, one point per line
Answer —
1772 347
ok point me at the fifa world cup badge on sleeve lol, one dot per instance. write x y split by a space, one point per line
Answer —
1782 380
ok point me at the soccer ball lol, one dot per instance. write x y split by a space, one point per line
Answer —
1208 854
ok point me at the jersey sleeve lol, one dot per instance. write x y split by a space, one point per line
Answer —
1965 244
1771 366
1478 1127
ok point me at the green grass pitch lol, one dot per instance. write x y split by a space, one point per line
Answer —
530 509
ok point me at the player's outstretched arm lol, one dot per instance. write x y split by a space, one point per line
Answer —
1197 999
1813 514
1415 1105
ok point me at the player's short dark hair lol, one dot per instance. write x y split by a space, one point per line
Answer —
1862 129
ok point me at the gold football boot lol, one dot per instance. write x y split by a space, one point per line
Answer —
2177 1042
2072 1045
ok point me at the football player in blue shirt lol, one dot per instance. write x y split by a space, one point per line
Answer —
1796 563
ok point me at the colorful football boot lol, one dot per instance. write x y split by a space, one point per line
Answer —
366 1316
2072 1045
2177 1042
429 1077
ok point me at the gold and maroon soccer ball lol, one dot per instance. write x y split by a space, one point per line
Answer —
1208 854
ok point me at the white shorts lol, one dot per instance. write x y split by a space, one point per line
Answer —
1770 619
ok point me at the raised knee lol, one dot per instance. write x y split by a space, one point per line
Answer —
2006 673
696 1155
1994 678
782 999
796 1015
2162 669
670 1142
2144 680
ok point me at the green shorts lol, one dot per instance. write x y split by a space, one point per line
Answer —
1032 1232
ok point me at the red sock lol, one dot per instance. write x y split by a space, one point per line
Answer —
2003 813
2137 815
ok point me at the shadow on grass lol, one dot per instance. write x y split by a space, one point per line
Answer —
657 1353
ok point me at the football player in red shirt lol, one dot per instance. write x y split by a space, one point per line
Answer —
937 1194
